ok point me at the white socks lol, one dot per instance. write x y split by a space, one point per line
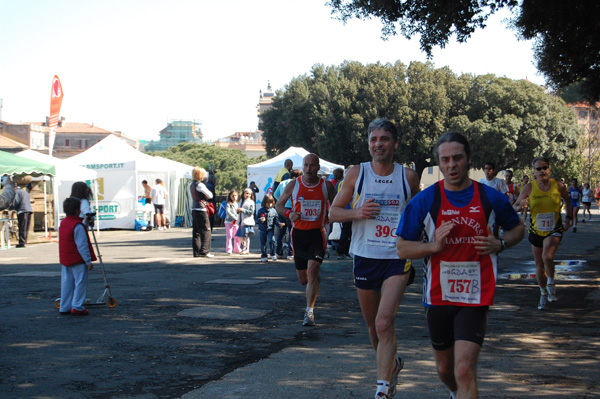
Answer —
382 386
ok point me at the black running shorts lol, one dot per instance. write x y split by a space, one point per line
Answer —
448 324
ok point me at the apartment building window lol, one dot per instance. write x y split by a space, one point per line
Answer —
430 170
67 143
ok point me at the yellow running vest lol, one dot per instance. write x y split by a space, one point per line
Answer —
545 210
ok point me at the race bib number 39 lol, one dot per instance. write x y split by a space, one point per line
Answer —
461 282
382 230
545 221
311 210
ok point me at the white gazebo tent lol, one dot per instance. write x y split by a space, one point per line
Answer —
263 174
66 175
121 169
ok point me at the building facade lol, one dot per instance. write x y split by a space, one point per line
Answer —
71 138
588 117
177 131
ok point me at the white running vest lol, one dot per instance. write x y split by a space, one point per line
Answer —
376 238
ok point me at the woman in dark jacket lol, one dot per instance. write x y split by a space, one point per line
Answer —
201 196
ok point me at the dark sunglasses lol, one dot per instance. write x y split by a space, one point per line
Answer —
541 168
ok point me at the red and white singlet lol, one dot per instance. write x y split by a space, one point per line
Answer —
458 275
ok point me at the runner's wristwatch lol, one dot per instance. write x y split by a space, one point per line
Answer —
503 245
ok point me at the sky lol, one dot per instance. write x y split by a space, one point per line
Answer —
133 65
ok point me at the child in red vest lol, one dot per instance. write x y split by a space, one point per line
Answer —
76 256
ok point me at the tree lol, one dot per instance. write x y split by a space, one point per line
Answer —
566 34
508 122
567 42
228 165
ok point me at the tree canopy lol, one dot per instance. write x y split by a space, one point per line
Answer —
508 122
566 33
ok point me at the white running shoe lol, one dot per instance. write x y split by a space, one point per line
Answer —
309 319
543 302
398 365
263 260
551 293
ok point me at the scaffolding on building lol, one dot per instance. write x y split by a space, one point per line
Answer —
178 131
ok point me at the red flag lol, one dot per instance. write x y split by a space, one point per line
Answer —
56 96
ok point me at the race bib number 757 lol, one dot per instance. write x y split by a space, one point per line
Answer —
461 282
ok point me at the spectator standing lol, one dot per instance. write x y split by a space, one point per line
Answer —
231 226
254 187
22 204
287 228
8 195
343 249
201 235
284 173
246 219
266 219
159 199
338 175
76 256
147 191
83 193
211 184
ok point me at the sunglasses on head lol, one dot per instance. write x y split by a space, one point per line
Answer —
541 168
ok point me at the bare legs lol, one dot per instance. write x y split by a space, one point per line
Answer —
457 368
379 310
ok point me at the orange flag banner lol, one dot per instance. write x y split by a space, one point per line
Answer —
56 97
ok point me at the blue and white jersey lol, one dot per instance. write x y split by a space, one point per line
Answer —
376 238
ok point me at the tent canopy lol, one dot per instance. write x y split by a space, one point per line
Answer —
121 169
114 150
263 174
14 165
67 173
65 170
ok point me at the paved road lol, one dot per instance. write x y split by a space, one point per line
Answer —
230 327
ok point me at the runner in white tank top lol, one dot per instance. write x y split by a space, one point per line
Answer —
377 192
376 238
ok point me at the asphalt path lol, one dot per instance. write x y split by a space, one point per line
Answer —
230 327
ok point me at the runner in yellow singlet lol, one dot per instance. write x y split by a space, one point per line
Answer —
543 196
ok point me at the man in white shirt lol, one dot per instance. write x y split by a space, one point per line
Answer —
496 183
491 180
159 198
